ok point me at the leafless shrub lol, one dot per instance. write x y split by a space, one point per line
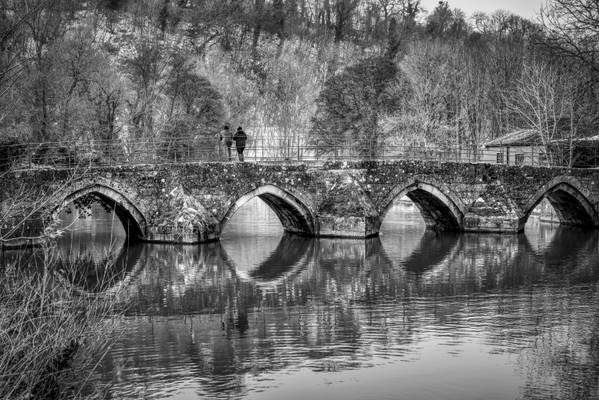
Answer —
53 334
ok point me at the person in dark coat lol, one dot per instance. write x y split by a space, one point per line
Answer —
240 138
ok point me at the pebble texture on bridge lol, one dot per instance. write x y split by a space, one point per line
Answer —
191 203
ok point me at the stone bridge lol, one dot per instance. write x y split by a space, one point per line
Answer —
192 203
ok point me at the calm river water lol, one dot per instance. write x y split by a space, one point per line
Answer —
410 315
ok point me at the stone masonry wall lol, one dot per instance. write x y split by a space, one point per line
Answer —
189 203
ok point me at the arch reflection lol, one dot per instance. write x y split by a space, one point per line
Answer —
196 279
572 251
433 248
568 242
291 255
480 264
92 275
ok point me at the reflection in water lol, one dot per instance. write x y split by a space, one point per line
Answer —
352 312
289 256
94 232
432 250
92 253
98 275
414 315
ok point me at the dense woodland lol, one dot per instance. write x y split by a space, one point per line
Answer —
158 78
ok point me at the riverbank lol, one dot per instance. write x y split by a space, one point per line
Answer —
52 334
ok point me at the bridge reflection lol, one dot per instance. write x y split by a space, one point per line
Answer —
167 279
201 314
331 304
439 263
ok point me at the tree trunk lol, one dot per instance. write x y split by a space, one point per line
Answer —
258 11
280 24
571 134
327 13
44 124
339 21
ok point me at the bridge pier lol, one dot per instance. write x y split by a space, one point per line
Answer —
493 211
348 227
202 235
477 223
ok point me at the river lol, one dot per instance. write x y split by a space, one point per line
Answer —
410 315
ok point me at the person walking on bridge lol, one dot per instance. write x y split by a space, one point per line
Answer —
240 138
228 136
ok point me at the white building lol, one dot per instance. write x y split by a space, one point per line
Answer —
521 147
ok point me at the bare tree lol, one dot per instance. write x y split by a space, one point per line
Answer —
147 69
573 27
541 101
257 30
12 43
47 23
344 10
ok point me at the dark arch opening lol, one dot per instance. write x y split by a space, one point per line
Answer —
291 218
130 225
570 206
438 210
132 220
294 216
569 209
436 214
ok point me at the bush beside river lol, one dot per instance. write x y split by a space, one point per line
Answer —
52 334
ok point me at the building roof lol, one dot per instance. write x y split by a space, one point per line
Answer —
521 137
587 139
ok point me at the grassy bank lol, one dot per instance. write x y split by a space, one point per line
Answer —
52 335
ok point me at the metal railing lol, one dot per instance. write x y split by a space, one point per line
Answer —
100 153
111 153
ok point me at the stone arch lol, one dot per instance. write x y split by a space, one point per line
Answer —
440 208
294 215
569 199
132 219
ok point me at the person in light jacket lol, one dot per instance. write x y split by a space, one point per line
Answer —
227 135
